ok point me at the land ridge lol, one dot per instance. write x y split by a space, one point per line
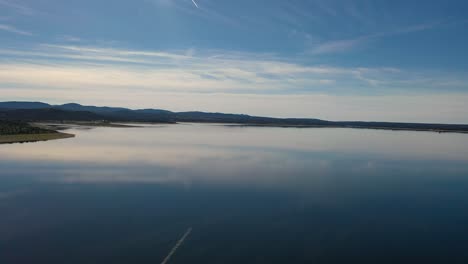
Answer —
21 132
72 112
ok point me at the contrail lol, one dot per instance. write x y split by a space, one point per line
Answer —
195 3
174 249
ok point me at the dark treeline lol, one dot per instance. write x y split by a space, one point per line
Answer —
20 128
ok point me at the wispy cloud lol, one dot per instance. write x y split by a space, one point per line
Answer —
22 9
14 30
68 38
239 83
218 81
75 66
343 45
195 3
339 45
200 71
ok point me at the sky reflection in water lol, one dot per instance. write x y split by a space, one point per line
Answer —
251 194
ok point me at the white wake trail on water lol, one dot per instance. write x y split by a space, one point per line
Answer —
174 249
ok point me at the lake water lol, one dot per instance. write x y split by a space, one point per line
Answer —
249 195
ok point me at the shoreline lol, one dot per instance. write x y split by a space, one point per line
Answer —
64 125
434 130
26 138
132 125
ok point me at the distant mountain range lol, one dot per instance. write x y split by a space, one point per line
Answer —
38 111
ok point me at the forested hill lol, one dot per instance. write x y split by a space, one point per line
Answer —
37 111
20 128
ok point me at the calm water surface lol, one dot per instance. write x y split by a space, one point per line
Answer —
250 195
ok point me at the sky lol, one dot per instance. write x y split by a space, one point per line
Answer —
338 60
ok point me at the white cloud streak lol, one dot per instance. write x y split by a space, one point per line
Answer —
195 3
70 66
227 82
343 45
22 9
75 66
14 30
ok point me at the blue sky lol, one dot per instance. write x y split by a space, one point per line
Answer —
341 60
